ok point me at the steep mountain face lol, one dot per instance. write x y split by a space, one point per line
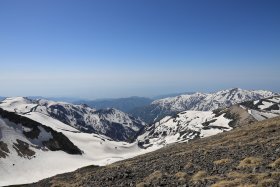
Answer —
109 122
245 156
197 101
123 104
189 125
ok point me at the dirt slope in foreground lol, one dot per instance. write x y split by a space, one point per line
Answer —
246 156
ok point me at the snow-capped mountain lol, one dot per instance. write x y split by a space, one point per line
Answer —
189 125
199 102
183 127
123 104
109 122
34 146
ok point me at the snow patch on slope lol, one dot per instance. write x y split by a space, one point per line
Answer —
263 108
184 127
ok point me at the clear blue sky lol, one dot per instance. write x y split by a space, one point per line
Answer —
116 48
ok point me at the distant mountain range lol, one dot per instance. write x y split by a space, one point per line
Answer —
197 101
123 104
109 122
189 125
58 99
171 95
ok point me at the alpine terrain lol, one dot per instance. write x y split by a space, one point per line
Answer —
197 101
40 138
109 122
48 138
189 125
123 104
246 156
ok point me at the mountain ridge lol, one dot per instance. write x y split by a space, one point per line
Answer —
123 104
245 156
109 122
197 101
190 125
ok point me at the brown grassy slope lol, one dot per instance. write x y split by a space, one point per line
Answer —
246 156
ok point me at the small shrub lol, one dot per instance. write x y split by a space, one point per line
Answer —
247 185
267 183
154 176
258 176
200 175
225 183
222 161
275 164
275 175
249 162
141 184
188 165
181 176
235 175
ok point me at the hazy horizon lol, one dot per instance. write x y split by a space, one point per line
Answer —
112 49
167 94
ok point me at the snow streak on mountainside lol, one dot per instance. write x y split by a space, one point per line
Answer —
190 125
199 102
110 122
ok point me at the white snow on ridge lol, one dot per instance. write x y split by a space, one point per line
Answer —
97 150
185 126
210 101
80 117
17 104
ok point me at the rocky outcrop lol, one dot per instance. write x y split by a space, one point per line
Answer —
3 150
